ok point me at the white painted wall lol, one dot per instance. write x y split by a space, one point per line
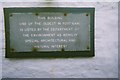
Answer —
103 65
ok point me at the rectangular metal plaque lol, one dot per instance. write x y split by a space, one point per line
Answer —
49 32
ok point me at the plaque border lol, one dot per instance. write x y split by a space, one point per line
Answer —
43 54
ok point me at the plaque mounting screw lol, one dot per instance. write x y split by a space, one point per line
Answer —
65 14
34 49
62 49
12 49
36 14
11 15
87 14
88 47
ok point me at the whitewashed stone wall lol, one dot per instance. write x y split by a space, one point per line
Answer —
103 65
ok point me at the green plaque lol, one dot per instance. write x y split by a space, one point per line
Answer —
49 32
